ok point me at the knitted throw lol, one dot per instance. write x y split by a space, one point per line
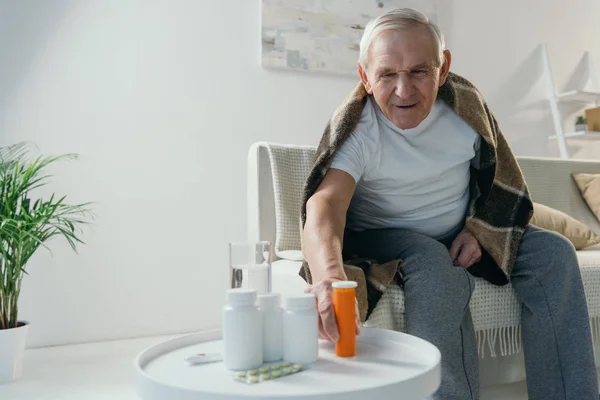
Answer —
499 208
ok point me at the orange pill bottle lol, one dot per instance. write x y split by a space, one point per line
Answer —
344 305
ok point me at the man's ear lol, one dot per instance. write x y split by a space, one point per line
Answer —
365 79
445 70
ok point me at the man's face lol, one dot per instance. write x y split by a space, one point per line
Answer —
403 74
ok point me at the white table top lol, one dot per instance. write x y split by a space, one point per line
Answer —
387 363
104 370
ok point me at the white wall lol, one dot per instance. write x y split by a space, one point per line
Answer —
162 100
495 45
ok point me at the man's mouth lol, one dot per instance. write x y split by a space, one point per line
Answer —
406 107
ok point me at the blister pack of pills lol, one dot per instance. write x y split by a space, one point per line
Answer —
267 372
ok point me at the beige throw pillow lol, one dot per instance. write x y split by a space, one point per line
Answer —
553 220
589 186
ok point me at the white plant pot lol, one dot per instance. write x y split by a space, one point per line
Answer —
580 127
12 348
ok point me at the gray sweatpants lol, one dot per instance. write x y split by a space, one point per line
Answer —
559 359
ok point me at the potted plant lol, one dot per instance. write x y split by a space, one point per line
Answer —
580 124
27 223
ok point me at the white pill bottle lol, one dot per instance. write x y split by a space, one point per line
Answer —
272 314
242 331
301 329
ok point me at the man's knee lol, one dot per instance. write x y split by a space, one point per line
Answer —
555 247
430 256
554 253
432 271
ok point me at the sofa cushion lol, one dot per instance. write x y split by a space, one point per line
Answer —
550 182
589 186
553 220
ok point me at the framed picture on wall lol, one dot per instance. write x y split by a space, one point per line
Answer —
322 35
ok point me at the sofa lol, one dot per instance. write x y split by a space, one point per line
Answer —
276 175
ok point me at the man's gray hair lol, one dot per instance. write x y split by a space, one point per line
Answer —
398 19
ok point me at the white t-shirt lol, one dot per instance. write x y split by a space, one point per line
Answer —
415 179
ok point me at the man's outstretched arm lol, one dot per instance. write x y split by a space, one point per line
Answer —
323 238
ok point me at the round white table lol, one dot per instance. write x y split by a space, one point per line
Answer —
388 364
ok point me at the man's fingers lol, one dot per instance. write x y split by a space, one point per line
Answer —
474 259
470 254
327 315
322 334
466 254
465 250
330 327
455 249
471 261
357 318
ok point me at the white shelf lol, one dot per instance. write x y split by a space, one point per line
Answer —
581 91
592 135
579 96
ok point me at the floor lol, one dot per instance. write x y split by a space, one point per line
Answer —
515 391
97 371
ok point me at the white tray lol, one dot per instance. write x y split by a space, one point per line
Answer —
388 365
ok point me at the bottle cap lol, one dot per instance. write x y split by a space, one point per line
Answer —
269 300
344 285
241 296
302 301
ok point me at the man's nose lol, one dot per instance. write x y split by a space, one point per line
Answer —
404 86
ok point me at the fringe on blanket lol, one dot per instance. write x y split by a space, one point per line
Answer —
508 339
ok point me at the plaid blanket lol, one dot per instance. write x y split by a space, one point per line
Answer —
499 208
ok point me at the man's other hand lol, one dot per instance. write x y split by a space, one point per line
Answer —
465 250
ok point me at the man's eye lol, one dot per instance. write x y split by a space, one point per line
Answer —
419 72
389 75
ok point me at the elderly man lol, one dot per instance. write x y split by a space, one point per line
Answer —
414 167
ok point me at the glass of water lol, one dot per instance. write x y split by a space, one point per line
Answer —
250 265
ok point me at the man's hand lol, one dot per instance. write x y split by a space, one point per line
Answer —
328 328
465 250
